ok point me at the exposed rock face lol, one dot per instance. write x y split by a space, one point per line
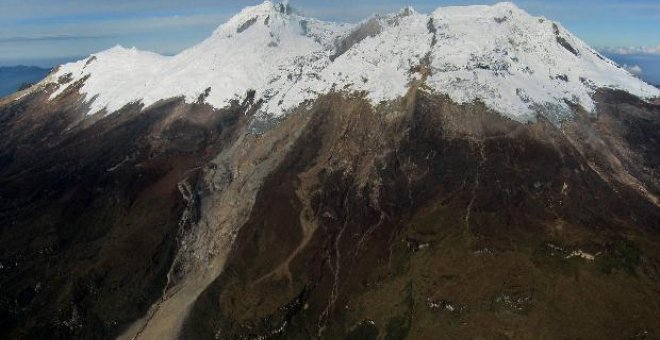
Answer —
416 217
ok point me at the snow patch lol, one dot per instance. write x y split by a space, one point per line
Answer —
583 255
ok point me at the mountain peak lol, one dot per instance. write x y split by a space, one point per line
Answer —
249 16
499 9
507 5
406 11
119 49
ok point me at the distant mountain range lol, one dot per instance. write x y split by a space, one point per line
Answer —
13 78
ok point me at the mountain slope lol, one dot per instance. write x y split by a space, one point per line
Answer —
400 178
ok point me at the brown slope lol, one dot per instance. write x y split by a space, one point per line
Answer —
448 221
420 219
90 209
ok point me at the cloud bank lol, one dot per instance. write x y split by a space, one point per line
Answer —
633 50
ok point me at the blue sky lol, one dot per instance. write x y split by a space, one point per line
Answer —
47 32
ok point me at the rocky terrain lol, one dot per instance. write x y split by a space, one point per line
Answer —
422 213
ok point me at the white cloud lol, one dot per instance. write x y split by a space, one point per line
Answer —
636 69
109 28
35 9
633 50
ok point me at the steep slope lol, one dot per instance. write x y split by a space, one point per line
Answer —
445 222
473 173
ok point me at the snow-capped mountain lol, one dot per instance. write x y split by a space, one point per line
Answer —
473 173
517 64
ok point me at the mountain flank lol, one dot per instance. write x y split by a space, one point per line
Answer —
475 172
